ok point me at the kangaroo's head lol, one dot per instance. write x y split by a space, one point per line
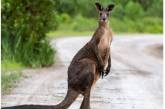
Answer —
104 12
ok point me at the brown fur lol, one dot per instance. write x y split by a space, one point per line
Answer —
84 69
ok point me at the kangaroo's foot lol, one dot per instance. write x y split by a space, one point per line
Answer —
86 101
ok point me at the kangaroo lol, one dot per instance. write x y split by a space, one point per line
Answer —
88 65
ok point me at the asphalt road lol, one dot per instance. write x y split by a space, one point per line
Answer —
135 80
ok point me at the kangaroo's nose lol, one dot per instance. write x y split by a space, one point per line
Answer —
104 19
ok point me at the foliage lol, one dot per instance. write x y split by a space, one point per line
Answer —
87 8
133 10
80 25
156 9
143 25
24 27
127 16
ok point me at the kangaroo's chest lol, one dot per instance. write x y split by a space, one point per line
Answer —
104 43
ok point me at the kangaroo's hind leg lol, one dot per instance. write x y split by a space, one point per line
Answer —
86 101
87 79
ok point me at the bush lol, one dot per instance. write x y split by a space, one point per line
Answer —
142 25
127 16
153 24
64 18
77 23
156 9
24 27
133 10
123 25
83 24
118 12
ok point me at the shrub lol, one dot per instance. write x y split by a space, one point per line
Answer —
153 24
143 25
133 10
83 24
77 23
118 12
24 27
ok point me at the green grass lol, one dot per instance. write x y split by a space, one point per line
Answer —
10 74
8 65
60 33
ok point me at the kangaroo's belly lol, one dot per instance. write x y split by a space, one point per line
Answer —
103 47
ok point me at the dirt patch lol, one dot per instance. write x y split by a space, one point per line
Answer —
155 50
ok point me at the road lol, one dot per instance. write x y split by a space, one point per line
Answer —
135 80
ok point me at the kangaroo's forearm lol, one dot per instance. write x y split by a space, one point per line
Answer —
109 66
107 55
97 53
109 62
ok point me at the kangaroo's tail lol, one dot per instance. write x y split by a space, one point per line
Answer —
69 99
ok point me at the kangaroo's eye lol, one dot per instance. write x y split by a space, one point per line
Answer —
107 14
100 14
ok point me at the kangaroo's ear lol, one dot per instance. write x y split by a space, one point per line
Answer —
110 7
98 6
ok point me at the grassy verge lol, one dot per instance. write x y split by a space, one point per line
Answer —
61 33
10 74
81 26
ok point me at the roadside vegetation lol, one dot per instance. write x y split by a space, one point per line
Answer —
24 44
28 25
10 74
79 17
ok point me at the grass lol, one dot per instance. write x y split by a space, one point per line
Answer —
62 33
10 74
